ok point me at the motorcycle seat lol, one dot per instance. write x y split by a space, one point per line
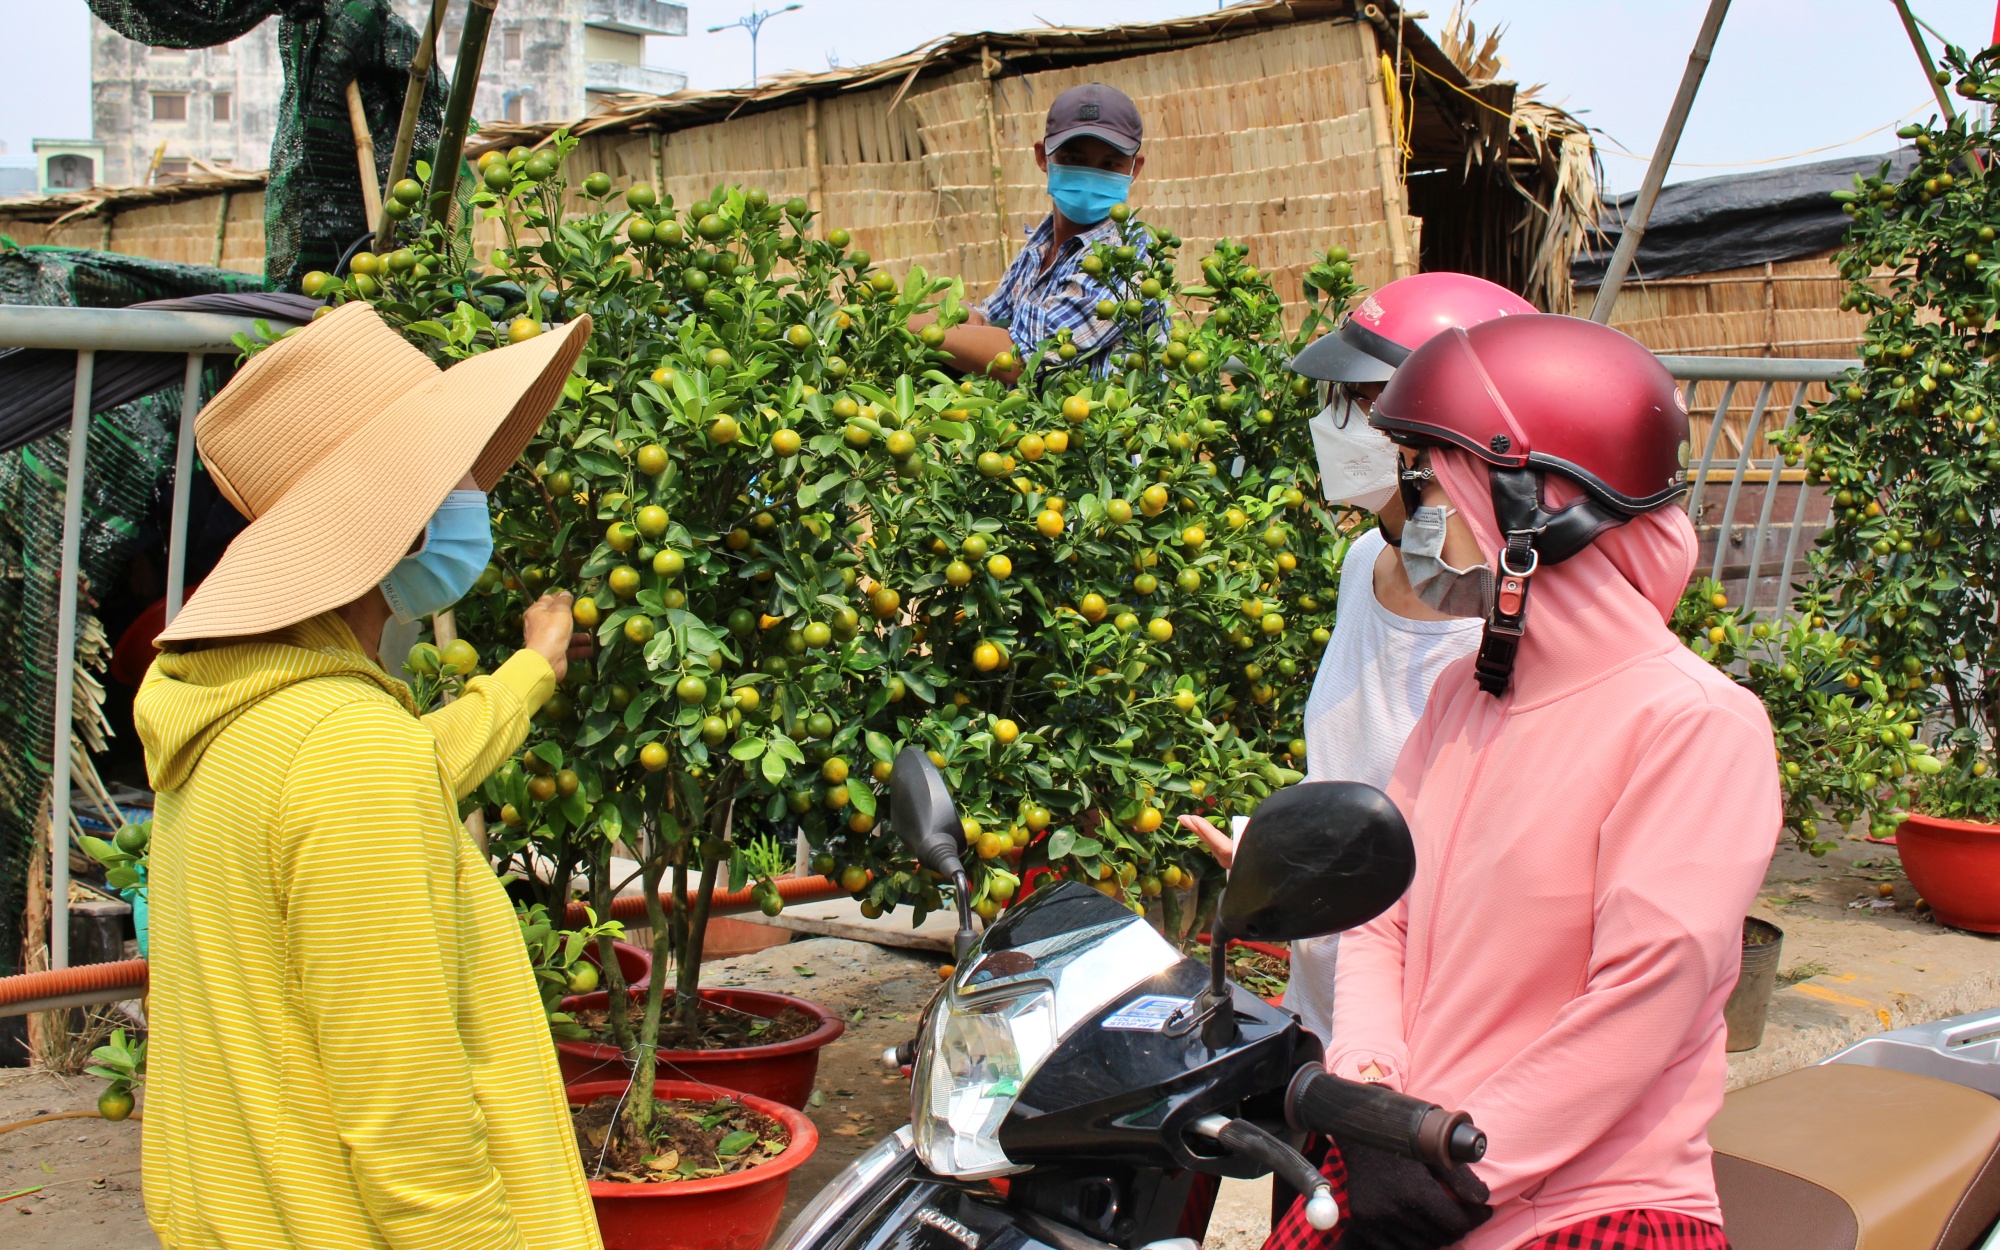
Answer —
1845 1157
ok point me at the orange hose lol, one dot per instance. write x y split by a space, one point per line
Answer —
130 974
631 908
82 979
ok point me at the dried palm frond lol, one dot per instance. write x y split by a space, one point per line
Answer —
1479 62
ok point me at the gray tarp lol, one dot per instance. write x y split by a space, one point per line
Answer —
1736 220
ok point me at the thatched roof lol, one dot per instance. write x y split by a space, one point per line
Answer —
208 179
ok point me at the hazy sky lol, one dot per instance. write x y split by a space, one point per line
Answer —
1788 75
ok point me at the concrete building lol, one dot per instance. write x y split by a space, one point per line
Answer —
156 109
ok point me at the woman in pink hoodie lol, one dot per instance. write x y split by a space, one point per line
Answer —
1593 809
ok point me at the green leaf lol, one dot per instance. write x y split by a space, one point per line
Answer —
880 747
746 748
774 766
735 1143
863 798
1061 843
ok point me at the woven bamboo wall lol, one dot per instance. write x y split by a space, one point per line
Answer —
1265 138
184 231
1229 153
1781 309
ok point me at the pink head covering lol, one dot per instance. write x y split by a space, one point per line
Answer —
1606 604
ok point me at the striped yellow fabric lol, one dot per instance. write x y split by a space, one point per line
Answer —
347 1047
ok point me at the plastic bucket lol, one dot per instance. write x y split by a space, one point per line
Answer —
1750 1001
737 1212
781 1071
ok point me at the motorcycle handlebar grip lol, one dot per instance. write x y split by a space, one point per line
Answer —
1375 1115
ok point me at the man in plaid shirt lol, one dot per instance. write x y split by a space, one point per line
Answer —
1090 151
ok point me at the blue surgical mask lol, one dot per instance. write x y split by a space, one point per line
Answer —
457 544
1085 195
1454 592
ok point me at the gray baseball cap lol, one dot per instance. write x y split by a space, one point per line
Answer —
1098 111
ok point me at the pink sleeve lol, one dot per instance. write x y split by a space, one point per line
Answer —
1368 972
1675 875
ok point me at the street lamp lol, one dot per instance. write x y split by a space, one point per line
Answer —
752 22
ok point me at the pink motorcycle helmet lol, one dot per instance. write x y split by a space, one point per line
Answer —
1399 318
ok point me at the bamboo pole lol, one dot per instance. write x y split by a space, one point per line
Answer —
458 109
815 197
1393 207
658 142
413 107
221 229
1930 76
364 152
1634 228
989 69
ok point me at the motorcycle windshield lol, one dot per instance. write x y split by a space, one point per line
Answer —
1054 963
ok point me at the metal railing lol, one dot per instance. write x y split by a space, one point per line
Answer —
1768 374
87 331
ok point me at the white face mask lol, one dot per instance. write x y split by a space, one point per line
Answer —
1357 462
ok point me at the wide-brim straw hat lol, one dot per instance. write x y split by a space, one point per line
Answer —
339 442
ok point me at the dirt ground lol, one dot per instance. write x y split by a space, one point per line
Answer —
84 1173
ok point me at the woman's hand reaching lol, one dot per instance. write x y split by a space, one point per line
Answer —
1219 844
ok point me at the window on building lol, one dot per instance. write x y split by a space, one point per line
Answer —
71 172
171 169
224 103
515 110
169 106
510 43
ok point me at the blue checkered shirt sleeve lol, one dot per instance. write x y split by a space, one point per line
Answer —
1035 304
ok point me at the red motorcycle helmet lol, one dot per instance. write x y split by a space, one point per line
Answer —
1553 393
1399 318
1540 394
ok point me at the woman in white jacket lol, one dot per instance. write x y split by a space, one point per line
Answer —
1390 641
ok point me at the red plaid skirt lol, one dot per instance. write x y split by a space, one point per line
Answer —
1622 1230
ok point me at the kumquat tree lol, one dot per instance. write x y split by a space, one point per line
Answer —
1095 597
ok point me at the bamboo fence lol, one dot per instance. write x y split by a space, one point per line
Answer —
1779 309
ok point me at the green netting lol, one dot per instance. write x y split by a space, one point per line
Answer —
312 207
131 448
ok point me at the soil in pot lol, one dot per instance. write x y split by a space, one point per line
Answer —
688 1141
721 1027
777 1061
729 1204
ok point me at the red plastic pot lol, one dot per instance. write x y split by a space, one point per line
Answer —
636 962
1278 953
737 1212
781 1071
1955 865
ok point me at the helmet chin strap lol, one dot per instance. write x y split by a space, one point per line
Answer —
1534 537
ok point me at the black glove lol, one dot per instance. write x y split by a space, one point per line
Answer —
1394 1203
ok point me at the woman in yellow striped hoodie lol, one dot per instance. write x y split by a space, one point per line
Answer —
347 1046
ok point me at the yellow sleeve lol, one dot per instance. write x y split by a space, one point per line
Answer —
477 731
367 866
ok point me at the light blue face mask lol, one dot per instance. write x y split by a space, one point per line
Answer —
1085 195
457 544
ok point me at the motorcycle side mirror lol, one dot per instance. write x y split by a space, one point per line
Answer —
1317 858
925 818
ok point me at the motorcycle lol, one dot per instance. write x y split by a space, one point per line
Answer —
1078 1083
1078 1080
